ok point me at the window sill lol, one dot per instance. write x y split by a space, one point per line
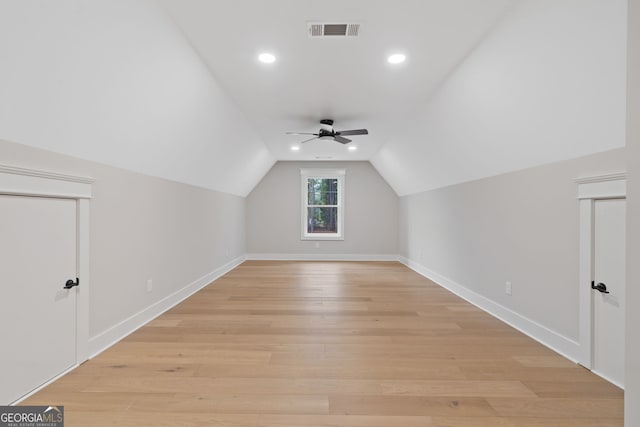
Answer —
322 237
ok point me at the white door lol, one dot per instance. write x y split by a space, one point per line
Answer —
609 297
37 316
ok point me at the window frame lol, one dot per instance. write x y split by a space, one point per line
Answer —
337 174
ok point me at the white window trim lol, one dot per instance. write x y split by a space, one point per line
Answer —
322 173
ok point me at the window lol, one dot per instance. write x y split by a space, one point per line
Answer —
322 204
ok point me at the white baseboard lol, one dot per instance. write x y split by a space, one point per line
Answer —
556 342
111 336
40 387
322 257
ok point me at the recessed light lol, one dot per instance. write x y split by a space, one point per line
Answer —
295 148
396 58
267 58
352 148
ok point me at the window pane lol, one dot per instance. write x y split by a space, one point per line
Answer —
322 191
322 220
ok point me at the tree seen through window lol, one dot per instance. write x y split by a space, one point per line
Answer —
322 205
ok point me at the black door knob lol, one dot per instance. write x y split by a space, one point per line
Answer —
600 287
70 283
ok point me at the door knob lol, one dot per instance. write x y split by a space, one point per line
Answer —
70 283
600 287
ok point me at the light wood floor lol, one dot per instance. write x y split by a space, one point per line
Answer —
330 344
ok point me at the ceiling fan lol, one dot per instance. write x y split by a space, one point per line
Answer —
328 132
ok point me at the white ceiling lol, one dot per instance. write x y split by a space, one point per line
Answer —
345 79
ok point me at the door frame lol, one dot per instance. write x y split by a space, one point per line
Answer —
15 181
590 189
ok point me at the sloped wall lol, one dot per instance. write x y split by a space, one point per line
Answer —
116 82
547 84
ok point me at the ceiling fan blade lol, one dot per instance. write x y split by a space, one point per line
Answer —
341 140
301 133
310 139
353 132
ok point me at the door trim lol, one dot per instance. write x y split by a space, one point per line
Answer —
18 181
590 189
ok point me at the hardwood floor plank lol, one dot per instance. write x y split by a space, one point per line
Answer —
570 408
564 422
568 390
457 388
354 344
344 421
409 405
189 403
548 361
472 422
423 369
237 386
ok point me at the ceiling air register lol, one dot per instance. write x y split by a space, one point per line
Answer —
333 29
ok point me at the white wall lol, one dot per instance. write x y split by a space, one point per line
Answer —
520 227
371 214
117 82
632 375
143 228
547 84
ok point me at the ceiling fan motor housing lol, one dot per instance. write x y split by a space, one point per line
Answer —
326 125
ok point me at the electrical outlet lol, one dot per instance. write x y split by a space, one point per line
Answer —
149 285
317 244
507 288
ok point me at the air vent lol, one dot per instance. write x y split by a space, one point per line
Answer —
320 29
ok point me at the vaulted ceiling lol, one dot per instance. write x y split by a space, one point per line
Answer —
488 86
173 88
347 79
